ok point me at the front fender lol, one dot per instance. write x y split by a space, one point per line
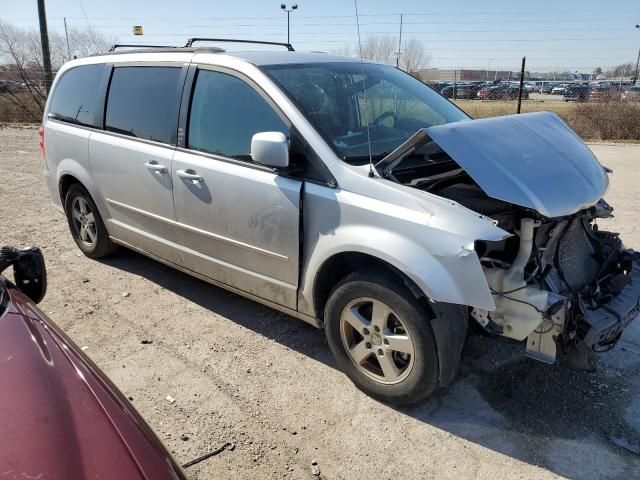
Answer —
454 275
429 239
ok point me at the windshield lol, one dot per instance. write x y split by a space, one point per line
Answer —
332 97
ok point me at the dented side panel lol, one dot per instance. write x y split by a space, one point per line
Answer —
416 238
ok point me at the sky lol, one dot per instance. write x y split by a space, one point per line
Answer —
575 35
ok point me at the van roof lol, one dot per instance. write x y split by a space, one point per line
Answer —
282 58
259 58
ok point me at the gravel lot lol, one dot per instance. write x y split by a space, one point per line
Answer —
245 374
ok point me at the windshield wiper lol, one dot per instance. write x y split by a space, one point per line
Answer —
364 158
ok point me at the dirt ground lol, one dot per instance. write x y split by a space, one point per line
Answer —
244 374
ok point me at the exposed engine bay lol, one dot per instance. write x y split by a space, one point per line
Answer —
561 283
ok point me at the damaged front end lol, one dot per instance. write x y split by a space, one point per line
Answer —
565 287
559 282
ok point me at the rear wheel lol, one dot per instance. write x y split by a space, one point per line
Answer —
85 223
382 338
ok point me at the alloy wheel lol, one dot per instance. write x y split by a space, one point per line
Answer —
84 221
377 340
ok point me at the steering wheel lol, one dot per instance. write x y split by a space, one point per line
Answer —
383 116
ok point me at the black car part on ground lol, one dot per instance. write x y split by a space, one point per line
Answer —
29 271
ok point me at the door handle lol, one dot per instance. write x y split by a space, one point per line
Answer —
189 175
156 167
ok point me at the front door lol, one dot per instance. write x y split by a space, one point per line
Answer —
238 222
131 159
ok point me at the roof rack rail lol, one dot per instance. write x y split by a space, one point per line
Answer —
137 45
232 40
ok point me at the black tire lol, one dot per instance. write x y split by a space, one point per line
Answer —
422 379
102 246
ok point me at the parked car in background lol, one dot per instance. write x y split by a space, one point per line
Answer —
503 91
546 87
485 93
577 92
60 417
449 91
558 89
260 172
10 86
439 86
632 94
602 92
461 90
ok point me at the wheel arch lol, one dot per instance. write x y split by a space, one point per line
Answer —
64 183
451 274
70 172
449 321
341 264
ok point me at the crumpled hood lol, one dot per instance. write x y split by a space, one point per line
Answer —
534 160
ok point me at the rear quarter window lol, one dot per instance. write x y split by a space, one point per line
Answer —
75 98
143 103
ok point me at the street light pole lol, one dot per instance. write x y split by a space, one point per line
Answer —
635 78
288 10
488 63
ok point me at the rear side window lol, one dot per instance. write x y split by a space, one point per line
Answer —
75 97
225 113
143 102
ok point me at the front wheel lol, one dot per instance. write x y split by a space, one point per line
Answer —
381 337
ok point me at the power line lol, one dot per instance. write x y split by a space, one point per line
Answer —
440 39
84 13
554 13
475 40
350 24
425 32
393 31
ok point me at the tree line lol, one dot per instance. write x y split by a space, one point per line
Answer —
21 66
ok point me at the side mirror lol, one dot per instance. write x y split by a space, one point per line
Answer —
29 271
270 149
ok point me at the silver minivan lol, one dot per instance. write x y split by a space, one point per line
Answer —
348 194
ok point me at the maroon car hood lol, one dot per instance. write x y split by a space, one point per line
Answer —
60 417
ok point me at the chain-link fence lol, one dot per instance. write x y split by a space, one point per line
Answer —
596 107
12 112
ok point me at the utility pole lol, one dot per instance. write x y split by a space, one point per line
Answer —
455 83
288 10
524 59
399 45
66 35
44 41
